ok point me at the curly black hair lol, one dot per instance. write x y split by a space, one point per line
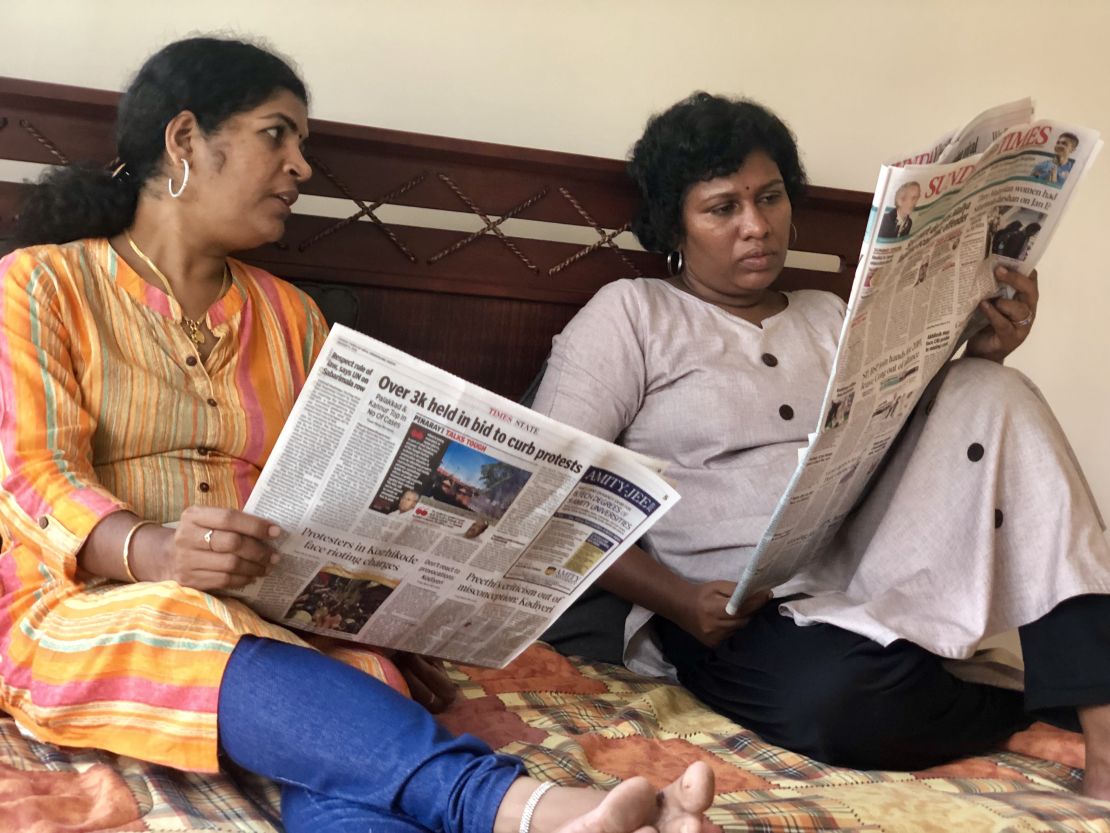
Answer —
213 78
699 138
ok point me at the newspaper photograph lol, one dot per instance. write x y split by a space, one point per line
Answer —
941 220
426 514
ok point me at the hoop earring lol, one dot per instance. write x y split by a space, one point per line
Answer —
794 230
184 181
675 263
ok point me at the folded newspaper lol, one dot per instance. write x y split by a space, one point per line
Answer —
941 220
426 514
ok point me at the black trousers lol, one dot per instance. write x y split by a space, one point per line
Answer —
592 627
845 700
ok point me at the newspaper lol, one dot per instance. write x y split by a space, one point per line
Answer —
423 513
941 220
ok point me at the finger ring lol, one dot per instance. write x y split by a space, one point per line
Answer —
1025 322
208 538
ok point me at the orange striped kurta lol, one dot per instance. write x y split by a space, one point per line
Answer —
104 405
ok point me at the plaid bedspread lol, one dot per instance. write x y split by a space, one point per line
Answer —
588 724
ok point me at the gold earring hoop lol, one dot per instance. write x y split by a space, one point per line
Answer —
794 233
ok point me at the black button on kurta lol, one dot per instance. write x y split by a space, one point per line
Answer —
786 412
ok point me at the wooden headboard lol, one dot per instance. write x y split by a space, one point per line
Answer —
467 254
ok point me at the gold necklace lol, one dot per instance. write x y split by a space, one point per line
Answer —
192 326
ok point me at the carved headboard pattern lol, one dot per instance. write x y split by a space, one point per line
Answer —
468 254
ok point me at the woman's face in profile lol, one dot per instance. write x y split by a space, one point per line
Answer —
736 232
247 173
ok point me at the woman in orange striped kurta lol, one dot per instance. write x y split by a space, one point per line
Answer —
95 363
132 396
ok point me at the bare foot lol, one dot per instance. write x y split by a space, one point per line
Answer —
1095 721
633 807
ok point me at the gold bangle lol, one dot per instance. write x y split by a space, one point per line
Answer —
127 547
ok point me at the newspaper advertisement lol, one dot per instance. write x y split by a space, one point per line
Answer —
426 514
941 220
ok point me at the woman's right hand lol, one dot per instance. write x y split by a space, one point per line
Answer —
238 550
704 616
428 682
699 609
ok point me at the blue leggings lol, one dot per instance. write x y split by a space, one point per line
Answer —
351 753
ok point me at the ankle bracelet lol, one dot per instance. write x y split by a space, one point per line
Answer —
530 805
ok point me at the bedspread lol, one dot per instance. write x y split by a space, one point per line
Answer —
582 723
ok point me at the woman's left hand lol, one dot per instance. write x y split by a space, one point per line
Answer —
1010 318
428 682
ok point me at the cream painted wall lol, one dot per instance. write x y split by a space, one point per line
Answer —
583 76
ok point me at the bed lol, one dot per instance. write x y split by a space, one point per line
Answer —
471 256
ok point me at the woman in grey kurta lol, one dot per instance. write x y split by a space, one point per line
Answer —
980 520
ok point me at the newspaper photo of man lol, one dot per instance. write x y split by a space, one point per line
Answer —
1055 170
406 502
897 221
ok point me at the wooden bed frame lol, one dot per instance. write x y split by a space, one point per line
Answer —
472 256
482 303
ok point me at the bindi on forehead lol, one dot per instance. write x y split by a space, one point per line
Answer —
746 187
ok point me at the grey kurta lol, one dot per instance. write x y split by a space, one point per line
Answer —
729 404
